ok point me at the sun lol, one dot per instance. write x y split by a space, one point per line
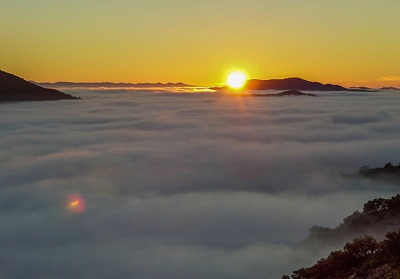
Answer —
236 80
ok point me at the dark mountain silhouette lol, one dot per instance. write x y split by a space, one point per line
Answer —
290 84
66 84
285 93
390 88
13 88
364 88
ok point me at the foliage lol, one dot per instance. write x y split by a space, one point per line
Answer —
388 173
363 257
379 205
375 206
360 257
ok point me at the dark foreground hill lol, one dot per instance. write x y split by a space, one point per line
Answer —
374 251
378 217
363 258
13 88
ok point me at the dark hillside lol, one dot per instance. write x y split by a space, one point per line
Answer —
377 218
362 258
374 251
13 88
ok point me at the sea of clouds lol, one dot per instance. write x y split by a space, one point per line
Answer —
177 185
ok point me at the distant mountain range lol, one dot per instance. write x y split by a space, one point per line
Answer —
66 84
13 88
292 84
374 89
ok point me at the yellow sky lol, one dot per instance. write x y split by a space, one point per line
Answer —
349 42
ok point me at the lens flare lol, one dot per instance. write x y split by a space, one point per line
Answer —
75 204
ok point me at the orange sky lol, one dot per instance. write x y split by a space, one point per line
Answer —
346 42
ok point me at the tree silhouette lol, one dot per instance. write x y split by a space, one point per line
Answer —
359 258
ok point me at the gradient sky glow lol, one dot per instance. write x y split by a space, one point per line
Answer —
346 42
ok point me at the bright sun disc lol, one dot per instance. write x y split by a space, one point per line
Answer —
236 80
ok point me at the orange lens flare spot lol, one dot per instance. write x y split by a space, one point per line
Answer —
75 203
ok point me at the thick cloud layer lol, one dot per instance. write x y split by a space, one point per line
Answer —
179 185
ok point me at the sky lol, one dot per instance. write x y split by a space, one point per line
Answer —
352 43
142 185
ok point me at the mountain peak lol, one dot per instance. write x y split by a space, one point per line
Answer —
292 83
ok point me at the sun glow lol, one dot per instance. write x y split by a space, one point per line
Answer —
236 80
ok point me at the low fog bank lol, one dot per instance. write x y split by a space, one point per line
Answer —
184 185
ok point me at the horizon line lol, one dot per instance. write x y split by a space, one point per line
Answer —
184 84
